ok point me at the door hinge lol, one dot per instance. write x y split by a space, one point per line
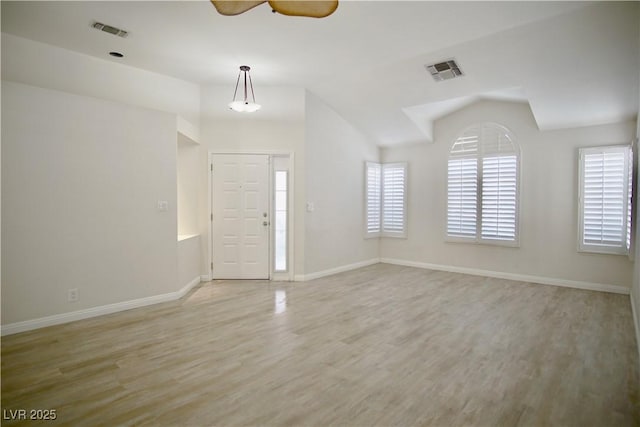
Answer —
211 217
211 167
212 266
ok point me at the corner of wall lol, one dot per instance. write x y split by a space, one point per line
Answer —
188 130
335 153
635 284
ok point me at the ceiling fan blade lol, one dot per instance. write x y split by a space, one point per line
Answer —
310 8
230 7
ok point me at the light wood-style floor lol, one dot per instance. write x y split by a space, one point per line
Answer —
382 345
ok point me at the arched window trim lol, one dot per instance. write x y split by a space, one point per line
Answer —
491 226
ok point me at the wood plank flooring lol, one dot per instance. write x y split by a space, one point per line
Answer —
382 345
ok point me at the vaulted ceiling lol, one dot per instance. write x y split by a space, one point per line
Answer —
575 63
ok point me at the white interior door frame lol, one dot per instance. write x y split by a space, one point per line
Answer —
289 274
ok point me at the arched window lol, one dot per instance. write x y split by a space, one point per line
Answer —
482 186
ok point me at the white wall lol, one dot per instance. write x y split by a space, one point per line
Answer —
335 156
548 205
188 261
264 131
81 178
39 64
635 288
189 203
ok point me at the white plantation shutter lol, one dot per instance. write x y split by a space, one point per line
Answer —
629 197
482 186
386 199
499 175
462 186
394 199
605 199
462 192
373 199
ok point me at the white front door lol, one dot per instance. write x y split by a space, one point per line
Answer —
240 207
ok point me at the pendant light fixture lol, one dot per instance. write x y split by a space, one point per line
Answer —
244 105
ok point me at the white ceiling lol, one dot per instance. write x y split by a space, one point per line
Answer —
575 63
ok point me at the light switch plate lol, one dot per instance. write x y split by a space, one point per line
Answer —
163 206
310 207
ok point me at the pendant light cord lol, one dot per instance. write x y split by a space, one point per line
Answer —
252 93
245 87
236 91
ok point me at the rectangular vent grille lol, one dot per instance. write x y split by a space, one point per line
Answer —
444 70
109 29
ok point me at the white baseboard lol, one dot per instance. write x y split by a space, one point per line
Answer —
205 278
186 288
57 319
336 270
602 287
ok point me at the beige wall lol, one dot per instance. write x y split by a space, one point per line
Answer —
81 178
548 203
335 155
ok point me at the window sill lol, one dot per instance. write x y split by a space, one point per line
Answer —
497 243
603 250
385 236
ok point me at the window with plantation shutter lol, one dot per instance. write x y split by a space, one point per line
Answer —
482 186
605 199
373 199
393 199
386 199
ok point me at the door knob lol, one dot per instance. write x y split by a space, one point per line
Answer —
265 223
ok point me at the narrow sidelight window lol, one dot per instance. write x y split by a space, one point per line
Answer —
280 230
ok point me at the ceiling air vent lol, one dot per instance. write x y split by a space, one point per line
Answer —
444 70
109 29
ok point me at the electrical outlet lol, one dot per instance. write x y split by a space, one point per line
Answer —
72 295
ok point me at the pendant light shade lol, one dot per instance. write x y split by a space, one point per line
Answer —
244 105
